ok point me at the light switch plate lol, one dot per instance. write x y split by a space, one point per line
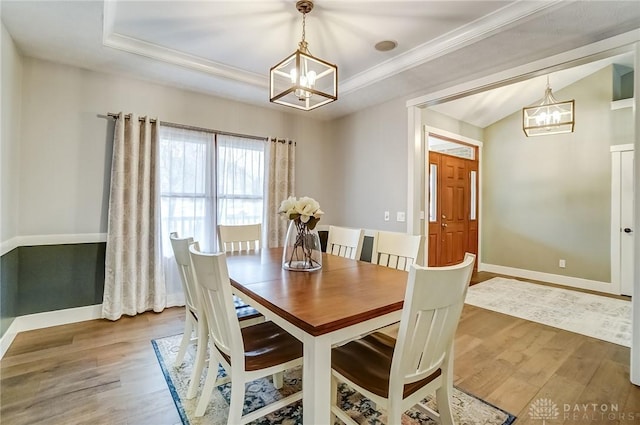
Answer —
400 216
386 216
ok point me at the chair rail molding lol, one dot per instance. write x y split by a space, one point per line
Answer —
60 239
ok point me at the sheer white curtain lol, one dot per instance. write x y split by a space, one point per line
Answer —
206 179
281 184
241 179
134 280
187 188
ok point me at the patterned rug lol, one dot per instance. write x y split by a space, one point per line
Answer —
605 318
467 409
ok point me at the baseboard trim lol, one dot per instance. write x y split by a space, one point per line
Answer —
574 282
7 338
47 319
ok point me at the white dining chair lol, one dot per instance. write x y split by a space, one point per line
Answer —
180 248
397 374
395 250
345 242
243 237
194 325
246 354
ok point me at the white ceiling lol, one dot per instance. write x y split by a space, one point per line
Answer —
226 48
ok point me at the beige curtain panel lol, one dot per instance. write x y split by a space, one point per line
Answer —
280 185
134 281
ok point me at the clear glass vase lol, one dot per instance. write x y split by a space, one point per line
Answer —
302 250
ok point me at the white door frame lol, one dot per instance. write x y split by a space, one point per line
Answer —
424 213
616 193
635 320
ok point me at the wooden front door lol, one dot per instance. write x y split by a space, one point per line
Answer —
453 224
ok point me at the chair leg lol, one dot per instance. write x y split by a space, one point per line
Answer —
334 397
201 355
443 394
394 413
236 406
209 385
443 398
278 380
186 339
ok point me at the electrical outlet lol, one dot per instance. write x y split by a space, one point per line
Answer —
400 217
562 264
386 216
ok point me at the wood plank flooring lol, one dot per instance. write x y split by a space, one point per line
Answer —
102 372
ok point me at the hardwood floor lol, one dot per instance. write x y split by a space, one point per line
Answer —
95 372
102 372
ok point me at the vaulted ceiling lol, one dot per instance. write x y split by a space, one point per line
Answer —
226 48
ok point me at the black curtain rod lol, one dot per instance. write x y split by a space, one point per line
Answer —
190 127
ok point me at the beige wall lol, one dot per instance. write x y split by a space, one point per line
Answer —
549 198
368 168
10 137
66 148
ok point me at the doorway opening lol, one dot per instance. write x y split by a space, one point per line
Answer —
452 193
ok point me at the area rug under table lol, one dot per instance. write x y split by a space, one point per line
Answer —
597 316
467 409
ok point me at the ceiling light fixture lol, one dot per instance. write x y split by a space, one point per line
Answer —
302 81
549 117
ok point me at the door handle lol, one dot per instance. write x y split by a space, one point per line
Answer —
627 230
444 224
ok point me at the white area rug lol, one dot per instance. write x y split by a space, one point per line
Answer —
605 318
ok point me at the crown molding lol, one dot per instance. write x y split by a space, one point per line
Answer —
468 34
114 40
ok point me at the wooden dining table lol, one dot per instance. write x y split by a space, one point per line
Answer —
344 299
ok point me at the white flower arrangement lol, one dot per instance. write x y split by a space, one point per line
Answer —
304 210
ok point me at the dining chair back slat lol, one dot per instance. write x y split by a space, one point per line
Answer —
395 250
345 242
239 237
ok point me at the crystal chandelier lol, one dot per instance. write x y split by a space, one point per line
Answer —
549 117
302 81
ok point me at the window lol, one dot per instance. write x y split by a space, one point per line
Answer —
240 180
450 147
433 192
206 179
474 202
